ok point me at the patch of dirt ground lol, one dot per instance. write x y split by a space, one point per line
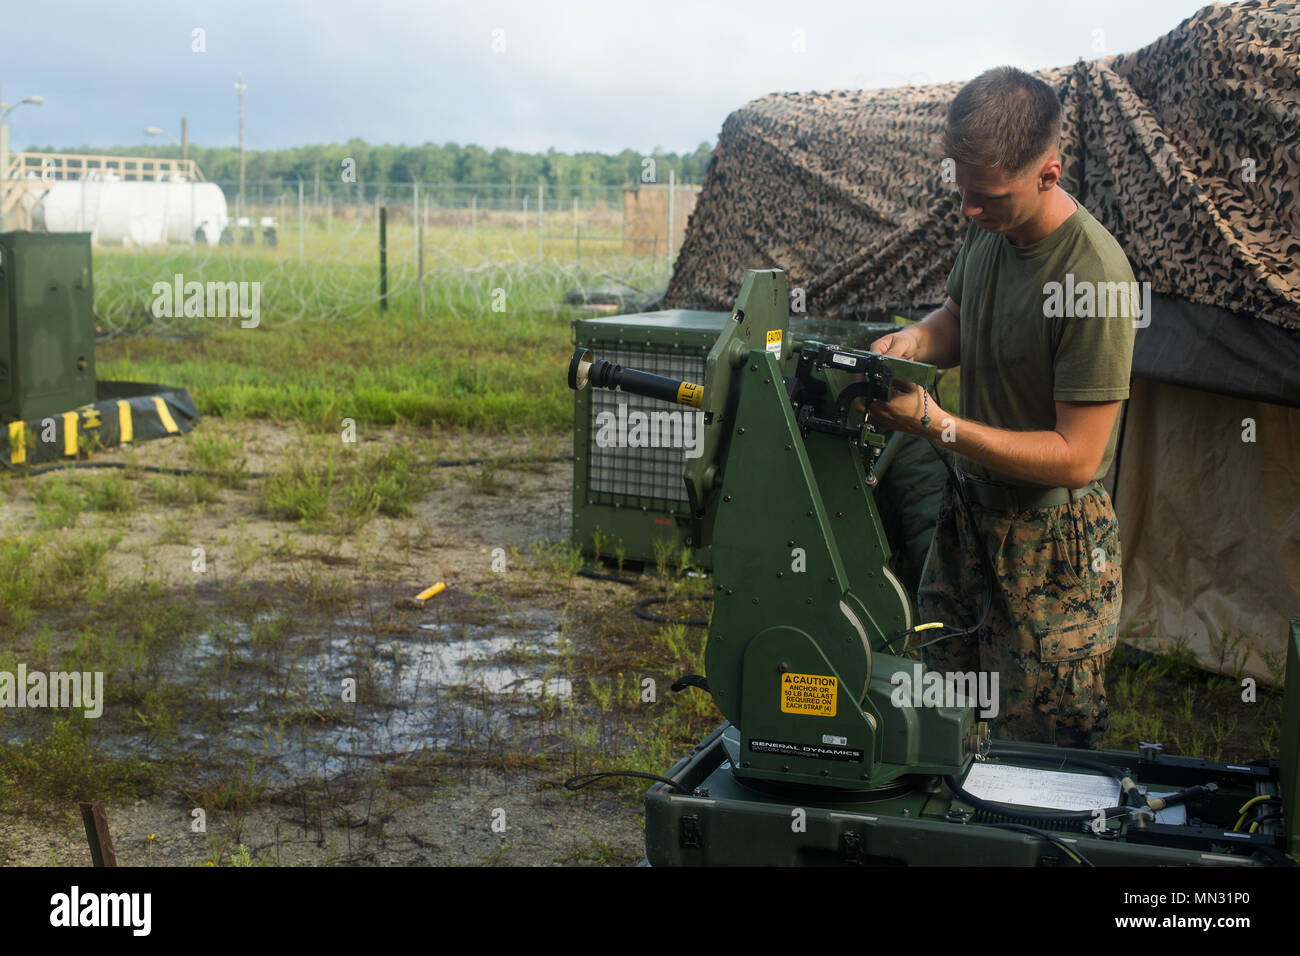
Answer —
453 809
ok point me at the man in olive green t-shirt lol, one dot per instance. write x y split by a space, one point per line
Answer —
1040 315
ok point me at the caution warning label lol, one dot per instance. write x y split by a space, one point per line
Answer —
774 342
812 694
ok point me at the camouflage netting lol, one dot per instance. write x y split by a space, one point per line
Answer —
1188 150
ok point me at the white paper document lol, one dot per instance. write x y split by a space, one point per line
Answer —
1053 789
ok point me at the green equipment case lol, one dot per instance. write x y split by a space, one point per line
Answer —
47 324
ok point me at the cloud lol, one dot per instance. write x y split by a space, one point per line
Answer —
584 75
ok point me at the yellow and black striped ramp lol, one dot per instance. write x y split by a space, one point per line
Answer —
124 412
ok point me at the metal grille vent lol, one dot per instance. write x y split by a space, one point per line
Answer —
647 472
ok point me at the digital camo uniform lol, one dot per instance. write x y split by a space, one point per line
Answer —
1049 647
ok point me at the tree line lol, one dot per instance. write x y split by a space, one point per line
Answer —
430 163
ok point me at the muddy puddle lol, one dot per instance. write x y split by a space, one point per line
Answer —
291 704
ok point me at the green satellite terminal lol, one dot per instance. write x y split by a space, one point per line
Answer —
796 657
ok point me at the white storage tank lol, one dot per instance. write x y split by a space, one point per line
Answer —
133 213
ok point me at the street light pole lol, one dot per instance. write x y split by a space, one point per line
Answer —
4 163
4 170
4 150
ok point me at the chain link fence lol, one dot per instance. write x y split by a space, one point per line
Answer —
338 251
644 221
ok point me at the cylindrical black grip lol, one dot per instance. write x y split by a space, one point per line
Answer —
651 386
604 374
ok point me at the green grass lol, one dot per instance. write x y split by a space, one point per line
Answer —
183 489
210 452
110 491
63 767
322 481
38 573
58 501
488 353
1168 699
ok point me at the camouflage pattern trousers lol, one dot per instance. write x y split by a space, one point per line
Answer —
1053 618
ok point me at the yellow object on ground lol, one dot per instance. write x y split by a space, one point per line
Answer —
430 592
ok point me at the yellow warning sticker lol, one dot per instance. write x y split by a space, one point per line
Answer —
812 694
774 342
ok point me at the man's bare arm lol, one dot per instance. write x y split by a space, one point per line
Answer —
936 339
1066 457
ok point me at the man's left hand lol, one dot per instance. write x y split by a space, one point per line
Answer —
904 409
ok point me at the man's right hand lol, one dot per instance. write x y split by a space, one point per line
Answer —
936 339
896 344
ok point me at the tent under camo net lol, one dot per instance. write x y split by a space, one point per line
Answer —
1188 151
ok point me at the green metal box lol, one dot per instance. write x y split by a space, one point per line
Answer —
47 324
628 496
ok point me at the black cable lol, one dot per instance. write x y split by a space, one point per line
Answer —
1061 845
690 680
460 462
1275 855
988 806
601 576
640 609
959 494
589 778
153 469
645 615
1059 759
1182 796
1063 760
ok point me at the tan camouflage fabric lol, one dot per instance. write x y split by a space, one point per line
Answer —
1187 150
1054 615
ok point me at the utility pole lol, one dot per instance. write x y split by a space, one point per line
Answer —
239 85
185 139
418 223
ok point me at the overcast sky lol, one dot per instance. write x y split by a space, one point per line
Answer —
600 75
